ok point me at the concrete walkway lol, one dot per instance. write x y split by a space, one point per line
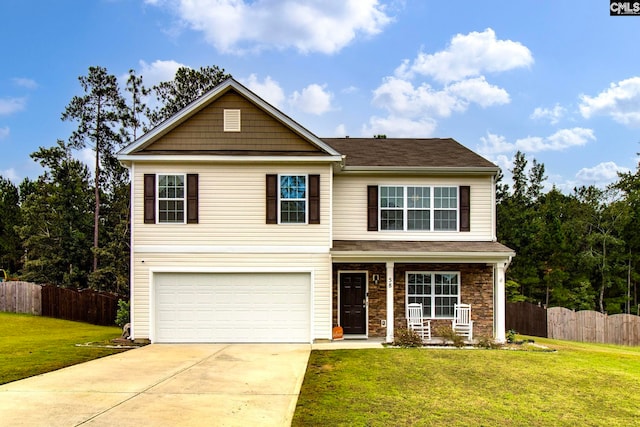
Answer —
165 385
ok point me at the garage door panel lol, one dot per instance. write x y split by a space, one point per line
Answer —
227 307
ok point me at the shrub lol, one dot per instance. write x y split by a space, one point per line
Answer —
407 338
449 335
511 335
122 316
488 343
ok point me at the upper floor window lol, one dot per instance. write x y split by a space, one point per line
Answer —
438 292
410 208
171 198
293 199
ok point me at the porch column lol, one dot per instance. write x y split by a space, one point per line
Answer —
390 316
500 300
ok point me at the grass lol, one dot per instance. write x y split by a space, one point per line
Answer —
580 384
32 345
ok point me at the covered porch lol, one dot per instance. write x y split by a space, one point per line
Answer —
373 281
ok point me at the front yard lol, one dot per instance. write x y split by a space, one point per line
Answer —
580 384
32 345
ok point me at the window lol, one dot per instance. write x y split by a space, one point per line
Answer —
171 198
406 208
436 291
174 194
293 199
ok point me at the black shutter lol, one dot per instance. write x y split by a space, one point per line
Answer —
465 208
272 199
314 199
372 208
192 198
149 198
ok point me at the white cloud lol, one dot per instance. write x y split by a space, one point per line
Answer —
559 141
268 89
10 174
601 174
399 127
553 115
4 132
340 131
621 101
469 55
457 73
478 91
237 26
12 105
313 99
158 71
26 83
401 98
493 144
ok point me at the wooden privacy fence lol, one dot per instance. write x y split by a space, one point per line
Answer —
98 308
526 319
20 297
565 324
592 326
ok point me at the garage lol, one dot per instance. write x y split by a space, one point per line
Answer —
232 307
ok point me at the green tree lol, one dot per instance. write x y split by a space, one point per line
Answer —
57 220
101 114
10 220
187 86
138 109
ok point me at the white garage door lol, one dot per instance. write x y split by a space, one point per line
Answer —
232 307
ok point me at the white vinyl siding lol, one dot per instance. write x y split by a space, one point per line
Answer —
350 207
232 206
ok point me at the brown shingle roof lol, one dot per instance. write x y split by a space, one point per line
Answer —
405 152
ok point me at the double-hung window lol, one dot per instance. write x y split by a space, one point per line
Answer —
293 199
438 292
422 208
171 198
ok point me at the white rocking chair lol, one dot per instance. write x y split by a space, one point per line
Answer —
416 322
462 323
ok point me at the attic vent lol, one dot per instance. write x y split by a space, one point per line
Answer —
232 120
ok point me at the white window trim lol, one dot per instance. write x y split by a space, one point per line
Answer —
306 200
433 296
184 198
432 209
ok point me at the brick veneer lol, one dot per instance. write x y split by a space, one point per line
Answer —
476 289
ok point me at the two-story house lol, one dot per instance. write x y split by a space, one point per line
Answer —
246 227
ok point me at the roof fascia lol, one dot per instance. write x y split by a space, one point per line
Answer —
169 124
420 170
444 257
226 159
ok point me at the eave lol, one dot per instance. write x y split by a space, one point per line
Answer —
413 170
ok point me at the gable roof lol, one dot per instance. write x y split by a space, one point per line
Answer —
417 153
229 85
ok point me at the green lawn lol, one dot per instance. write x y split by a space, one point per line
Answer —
580 384
31 345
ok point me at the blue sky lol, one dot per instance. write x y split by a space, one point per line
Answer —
559 81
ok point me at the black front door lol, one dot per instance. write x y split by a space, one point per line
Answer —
353 297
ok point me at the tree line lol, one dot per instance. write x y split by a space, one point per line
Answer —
70 226
578 250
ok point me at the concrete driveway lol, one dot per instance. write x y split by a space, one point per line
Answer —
165 385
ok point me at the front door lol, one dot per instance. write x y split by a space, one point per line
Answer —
353 303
